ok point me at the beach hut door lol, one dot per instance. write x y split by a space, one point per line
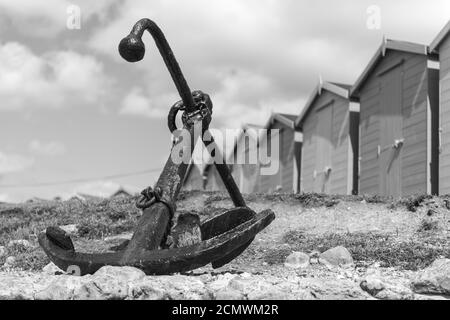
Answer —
391 133
323 149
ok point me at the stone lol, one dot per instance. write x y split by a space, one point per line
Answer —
372 285
10 261
52 269
147 289
229 294
70 229
20 286
3 251
22 244
297 260
61 288
120 237
386 289
435 279
337 256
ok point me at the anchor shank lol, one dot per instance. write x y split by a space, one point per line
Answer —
155 221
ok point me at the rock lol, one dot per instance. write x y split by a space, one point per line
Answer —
2 251
148 289
10 261
429 297
70 229
120 237
229 294
386 290
60 288
297 260
22 244
20 285
52 269
372 285
108 283
338 256
123 273
435 279
178 287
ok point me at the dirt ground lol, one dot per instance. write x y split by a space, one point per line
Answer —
396 237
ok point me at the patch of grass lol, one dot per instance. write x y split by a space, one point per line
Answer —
312 200
413 202
369 247
428 224
276 255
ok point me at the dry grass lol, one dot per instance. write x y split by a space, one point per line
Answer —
408 237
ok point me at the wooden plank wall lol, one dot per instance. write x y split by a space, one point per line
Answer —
340 143
285 174
414 111
194 181
444 159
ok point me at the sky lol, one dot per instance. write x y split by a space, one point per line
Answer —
72 110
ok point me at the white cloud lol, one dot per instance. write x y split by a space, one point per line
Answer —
51 148
14 163
46 18
136 103
6 198
54 79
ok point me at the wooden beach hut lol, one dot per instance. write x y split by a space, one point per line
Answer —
329 122
286 178
194 178
441 47
245 172
398 128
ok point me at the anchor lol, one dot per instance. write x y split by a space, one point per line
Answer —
223 237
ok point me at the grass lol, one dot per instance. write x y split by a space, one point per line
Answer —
95 219
98 218
369 247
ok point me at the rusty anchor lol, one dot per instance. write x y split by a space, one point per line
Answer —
223 236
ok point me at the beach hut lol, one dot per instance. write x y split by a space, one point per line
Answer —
245 172
286 178
194 178
441 47
329 122
213 182
398 112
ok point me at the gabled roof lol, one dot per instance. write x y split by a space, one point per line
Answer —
434 46
286 119
339 89
245 127
387 44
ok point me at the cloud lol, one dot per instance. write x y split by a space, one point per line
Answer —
135 103
10 163
51 148
5 198
102 188
253 56
47 18
54 79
